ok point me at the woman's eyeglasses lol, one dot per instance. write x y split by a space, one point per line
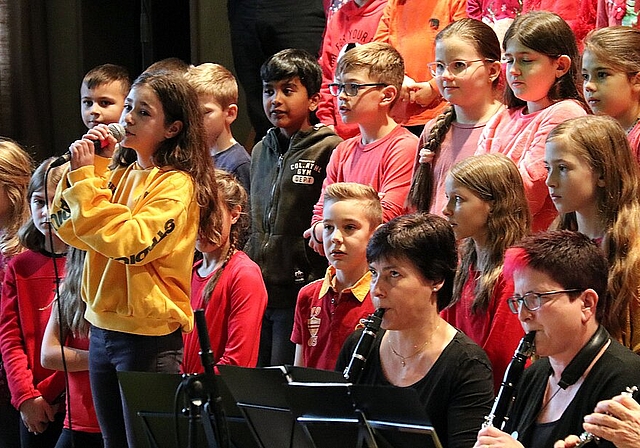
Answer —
533 300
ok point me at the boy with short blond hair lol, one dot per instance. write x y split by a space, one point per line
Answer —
367 83
287 169
102 94
217 91
330 309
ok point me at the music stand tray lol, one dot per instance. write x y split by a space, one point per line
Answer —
151 397
352 415
260 395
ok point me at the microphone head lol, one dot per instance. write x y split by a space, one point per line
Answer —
117 130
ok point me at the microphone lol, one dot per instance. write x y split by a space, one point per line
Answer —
115 129
507 394
363 348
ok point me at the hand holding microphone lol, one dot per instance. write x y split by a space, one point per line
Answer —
99 137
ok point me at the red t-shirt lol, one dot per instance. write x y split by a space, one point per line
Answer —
324 318
498 331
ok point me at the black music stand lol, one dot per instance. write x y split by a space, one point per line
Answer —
151 397
260 395
357 415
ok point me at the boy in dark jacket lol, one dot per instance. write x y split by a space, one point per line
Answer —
287 170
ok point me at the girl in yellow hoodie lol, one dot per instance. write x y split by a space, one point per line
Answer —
138 217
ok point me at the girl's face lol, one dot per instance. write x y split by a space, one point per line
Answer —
610 91
470 85
573 184
144 122
40 210
229 217
531 74
466 212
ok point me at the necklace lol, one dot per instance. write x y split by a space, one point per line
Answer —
403 359
633 125
544 406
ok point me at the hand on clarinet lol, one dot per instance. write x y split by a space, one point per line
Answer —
616 420
491 436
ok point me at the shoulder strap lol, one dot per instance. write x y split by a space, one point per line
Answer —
584 358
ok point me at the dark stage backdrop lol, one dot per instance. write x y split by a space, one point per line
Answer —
46 47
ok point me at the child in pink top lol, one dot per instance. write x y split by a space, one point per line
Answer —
488 210
541 64
355 22
467 70
611 74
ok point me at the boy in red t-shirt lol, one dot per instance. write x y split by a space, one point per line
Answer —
330 309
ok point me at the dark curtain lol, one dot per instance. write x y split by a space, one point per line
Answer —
25 106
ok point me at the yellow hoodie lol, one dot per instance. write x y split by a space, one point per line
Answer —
139 228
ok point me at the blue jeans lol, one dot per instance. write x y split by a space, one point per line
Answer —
276 347
111 352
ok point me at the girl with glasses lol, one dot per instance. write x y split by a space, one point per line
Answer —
467 73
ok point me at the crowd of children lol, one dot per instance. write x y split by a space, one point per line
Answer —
127 238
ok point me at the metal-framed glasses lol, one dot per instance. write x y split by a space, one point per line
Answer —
456 68
351 88
533 300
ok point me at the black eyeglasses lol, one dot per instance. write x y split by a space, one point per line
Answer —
456 68
533 300
351 88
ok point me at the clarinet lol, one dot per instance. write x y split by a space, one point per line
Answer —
507 394
363 348
587 437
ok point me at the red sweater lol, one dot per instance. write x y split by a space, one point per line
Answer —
233 314
386 165
579 14
27 293
498 331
